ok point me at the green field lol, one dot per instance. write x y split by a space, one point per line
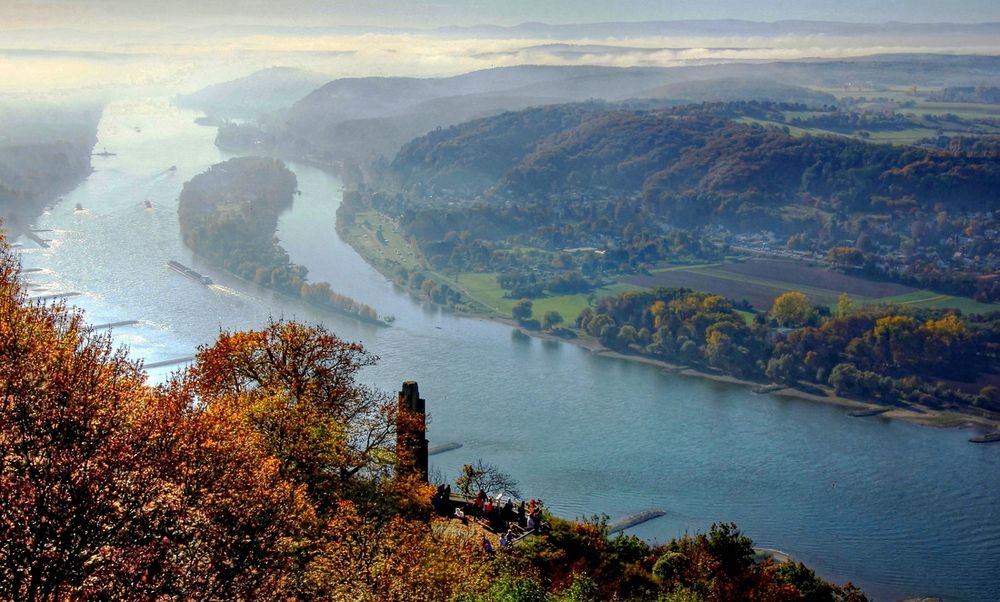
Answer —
483 288
965 110
907 136
488 297
932 300
363 235
792 130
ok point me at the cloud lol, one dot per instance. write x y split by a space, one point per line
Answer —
185 60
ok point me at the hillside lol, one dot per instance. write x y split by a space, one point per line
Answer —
257 94
570 219
557 203
361 118
691 165
358 119
44 152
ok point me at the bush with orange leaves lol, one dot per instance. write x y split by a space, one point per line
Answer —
113 490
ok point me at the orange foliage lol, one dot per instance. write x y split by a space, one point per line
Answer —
399 560
110 489
296 386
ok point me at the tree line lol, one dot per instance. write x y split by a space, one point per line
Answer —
895 354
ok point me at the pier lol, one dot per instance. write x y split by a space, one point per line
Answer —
114 324
41 242
632 520
173 362
441 448
53 297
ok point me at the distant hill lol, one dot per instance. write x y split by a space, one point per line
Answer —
693 164
44 152
716 28
257 94
731 88
362 118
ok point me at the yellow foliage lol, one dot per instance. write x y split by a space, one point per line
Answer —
791 309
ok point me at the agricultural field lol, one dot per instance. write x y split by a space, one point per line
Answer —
484 289
392 247
759 281
798 274
933 300
758 293
960 118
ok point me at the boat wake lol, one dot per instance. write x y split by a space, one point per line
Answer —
224 289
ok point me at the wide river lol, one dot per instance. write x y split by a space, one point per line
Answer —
899 509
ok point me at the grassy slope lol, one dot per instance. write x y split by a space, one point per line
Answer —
975 112
484 290
930 299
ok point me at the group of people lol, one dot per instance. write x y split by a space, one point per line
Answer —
441 500
500 514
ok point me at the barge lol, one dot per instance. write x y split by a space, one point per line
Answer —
183 269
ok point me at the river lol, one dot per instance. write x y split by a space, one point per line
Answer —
899 509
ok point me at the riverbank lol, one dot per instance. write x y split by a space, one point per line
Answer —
986 426
914 414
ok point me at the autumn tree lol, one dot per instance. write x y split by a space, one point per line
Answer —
297 387
110 489
844 305
401 560
791 309
551 319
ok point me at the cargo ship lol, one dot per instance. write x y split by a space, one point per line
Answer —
183 269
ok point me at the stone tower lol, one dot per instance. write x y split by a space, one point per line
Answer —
411 436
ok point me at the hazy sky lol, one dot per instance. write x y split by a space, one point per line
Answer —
93 14
177 45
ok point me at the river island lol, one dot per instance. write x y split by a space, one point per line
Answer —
229 215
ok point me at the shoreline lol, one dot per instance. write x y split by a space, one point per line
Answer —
918 415
343 312
922 416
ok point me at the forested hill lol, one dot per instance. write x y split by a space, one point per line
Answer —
689 164
44 152
259 93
